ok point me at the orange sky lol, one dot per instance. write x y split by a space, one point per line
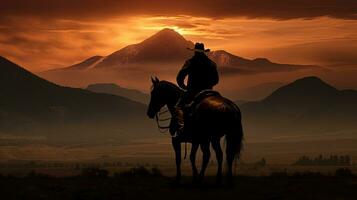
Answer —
42 35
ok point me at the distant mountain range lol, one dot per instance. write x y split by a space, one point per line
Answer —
111 88
305 107
162 55
168 46
32 105
256 92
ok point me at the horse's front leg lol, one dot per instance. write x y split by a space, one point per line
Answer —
206 154
177 147
193 160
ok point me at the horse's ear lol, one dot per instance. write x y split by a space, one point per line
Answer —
153 80
156 79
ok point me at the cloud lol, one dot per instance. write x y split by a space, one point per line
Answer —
102 9
40 46
338 54
68 31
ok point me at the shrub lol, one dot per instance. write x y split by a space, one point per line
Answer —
140 172
34 174
344 172
155 172
95 172
279 174
307 174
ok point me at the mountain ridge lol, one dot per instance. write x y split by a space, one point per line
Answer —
112 88
168 46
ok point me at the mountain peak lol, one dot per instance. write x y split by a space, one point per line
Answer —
168 31
305 89
165 46
262 60
167 35
311 83
310 79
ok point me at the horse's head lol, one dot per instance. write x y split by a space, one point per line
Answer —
156 100
162 93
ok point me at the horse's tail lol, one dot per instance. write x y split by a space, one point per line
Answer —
234 138
234 141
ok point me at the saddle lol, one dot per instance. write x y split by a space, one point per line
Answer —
189 109
200 96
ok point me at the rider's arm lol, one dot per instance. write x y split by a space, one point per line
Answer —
182 75
215 77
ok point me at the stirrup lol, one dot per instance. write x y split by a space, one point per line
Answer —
179 132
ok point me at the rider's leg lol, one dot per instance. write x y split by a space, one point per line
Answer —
179 114
182 112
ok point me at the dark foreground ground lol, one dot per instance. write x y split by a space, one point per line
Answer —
144 185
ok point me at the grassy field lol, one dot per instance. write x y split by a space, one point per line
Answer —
64 164
277 152
144 184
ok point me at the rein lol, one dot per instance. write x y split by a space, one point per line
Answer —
164 129
161 128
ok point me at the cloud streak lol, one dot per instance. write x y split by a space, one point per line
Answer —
101 9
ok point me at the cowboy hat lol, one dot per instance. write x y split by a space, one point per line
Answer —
199 47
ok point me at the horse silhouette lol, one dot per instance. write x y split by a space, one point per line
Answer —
212 118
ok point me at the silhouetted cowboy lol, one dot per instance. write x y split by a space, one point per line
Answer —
202 75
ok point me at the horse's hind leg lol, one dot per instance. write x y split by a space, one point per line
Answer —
230 155
219 155
177 147
193 160
206 154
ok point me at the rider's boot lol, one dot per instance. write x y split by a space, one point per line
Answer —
180 120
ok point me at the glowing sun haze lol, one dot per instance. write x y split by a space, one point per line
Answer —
42 35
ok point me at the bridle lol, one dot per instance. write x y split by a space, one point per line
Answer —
162 128
165 128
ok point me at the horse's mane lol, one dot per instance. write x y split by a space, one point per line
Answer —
171 86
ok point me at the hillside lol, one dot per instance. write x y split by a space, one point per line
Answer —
32 104
111 88
257 92
305 107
